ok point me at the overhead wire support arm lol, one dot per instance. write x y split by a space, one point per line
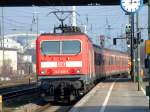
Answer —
115 40
61 19
62 12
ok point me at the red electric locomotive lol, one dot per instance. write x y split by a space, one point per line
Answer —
68 64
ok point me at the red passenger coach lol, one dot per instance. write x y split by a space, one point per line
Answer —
68 64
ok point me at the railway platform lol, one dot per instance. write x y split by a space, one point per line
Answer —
115 95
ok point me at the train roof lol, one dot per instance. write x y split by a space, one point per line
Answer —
111 50
62 34
66 30
67 34
81 33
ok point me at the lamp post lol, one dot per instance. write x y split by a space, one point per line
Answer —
132 49
138 50
149 39
130 7
2 33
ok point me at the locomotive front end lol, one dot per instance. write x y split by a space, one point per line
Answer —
60 64
60 58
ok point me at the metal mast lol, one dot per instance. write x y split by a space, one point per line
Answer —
74 23
2 33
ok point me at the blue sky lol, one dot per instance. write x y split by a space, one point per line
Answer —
19 19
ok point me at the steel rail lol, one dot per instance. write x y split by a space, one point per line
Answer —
13 94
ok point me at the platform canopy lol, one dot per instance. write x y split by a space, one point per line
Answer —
9 3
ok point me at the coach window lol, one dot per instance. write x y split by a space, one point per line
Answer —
97 59
114 60
50 47
71 47
107 62
123 61
103 59
117 61
110 60
100 59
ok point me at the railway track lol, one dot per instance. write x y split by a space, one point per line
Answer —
17 82
54 108
15 87
57 106
16 97
13 94
35 104
9 93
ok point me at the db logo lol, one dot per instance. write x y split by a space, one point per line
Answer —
61 64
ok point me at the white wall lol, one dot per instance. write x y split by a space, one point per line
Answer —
27 58
9 55
10 43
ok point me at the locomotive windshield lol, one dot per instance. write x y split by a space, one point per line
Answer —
71 47
50 47
60 47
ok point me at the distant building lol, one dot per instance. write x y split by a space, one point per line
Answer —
24 64
27 58
10 58
10 43
19 55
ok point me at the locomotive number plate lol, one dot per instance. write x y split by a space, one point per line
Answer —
61 64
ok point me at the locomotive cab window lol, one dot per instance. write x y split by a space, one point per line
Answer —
50 47
71 47
60 47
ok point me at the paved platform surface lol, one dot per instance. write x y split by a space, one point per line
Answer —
119 95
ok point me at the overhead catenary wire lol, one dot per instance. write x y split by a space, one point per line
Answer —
91 17
16 22
13 24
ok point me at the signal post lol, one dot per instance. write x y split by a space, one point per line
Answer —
147 65
1 104
147 49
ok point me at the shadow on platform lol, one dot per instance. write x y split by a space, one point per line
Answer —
118 80
111 109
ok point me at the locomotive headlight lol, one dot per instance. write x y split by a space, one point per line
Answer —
43 72
78 71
